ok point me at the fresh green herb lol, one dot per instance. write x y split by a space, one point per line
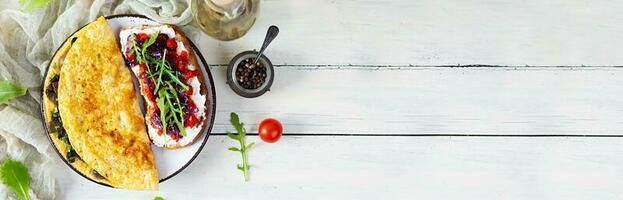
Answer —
168 101
158 198
15 176
139 58
70 152
162 66
152 40
164 110
9 91
240 137
30 5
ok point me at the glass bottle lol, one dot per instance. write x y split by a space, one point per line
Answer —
225 19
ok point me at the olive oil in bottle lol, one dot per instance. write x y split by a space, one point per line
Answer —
225 19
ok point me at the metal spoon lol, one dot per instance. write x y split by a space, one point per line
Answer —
270 35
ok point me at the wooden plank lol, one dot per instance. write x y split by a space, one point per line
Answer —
391 168
433 32
422 100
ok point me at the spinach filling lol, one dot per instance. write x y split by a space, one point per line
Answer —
97 175
56 124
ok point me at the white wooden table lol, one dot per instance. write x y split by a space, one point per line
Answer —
386 100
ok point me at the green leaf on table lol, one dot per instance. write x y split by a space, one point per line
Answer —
9 91
250 145
158 198
15 176
232 136
240 138
30 5
235 121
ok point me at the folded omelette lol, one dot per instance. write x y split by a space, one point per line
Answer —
97 114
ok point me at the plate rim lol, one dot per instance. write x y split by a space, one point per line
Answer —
207 131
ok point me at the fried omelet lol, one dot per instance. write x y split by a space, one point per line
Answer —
100 111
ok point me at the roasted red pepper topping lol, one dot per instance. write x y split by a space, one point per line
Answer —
150 96
183 55
142 36
149 85
182 65
171 44
191 107
131 57
191 121
189 74
189 91
141 68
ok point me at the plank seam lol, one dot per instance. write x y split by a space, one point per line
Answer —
433 135
442 66
427 67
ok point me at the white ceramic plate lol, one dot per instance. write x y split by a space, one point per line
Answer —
168 162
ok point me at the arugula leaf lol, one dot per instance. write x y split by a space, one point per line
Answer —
9 91
242 132
139 56
30 5
176 79
163 110
164 56
232 136
15 176
152 40
158 198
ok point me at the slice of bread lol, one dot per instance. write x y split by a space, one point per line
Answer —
196 82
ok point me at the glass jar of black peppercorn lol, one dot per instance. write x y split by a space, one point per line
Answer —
247 78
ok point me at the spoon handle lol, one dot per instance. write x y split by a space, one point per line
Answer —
270 35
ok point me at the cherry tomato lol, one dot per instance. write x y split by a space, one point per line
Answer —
270 130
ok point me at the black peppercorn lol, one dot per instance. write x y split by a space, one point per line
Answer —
250 75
